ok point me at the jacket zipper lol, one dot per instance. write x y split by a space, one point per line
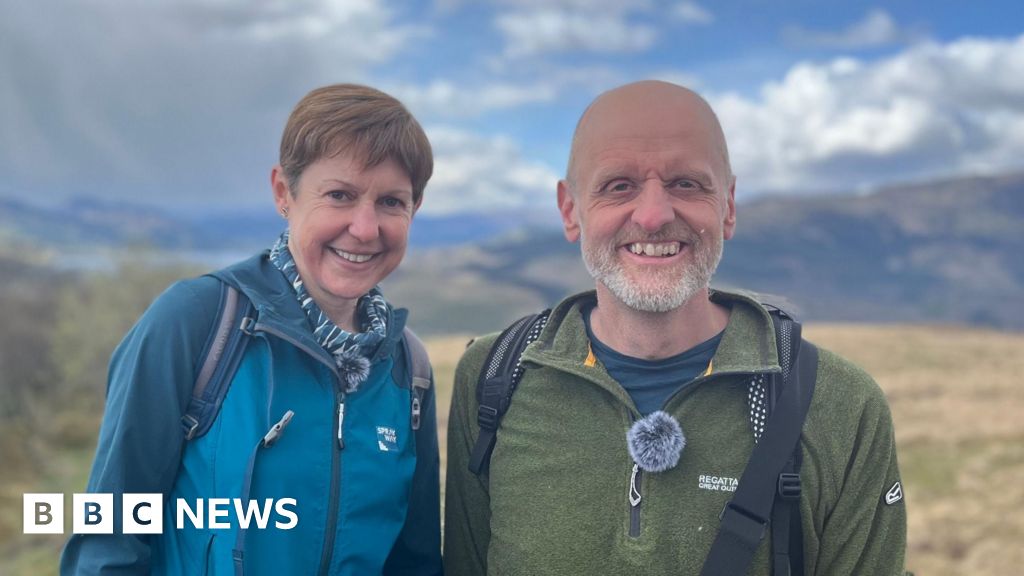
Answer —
635 498
337 444
341 420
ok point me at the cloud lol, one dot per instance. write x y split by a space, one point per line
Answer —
444 98
877 28
180 102
361 27
573 26
539 84
930 110
480 173
692 13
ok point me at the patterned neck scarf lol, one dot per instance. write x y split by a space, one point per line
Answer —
351 352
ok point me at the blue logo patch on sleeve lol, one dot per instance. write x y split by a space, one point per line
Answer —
387 439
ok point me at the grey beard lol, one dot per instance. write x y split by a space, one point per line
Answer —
669 289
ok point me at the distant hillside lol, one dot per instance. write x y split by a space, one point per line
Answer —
472 289
945 252
950 251
92 223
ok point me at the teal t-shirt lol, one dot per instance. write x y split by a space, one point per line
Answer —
650 383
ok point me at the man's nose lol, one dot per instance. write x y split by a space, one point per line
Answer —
365 226
654 207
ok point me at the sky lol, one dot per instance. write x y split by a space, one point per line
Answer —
181 103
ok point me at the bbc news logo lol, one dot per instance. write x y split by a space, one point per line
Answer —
144 513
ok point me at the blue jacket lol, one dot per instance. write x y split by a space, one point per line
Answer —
367 506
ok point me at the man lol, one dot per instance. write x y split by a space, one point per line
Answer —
649 193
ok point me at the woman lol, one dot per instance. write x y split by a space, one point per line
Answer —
320 409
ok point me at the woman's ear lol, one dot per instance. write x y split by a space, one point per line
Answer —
282 191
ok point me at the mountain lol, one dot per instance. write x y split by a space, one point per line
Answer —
950 251
92 223
479 287
943 252
88 222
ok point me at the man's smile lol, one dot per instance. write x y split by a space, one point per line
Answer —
660 249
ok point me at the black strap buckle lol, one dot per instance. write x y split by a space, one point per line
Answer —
487 417
745 525
789 486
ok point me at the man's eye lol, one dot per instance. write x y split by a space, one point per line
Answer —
619 186
685 184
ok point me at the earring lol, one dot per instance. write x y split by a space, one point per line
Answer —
284 212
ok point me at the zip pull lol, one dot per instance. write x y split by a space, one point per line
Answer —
341 421
634 492
275 431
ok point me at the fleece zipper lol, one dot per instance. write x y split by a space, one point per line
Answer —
635 480
635 497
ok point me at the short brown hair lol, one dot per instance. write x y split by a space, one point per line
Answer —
336 118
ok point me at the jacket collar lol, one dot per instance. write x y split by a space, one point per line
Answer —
277 307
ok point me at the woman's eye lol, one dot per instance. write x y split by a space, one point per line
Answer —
392 202
337 195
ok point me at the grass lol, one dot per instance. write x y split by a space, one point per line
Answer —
958 408
65 472
956 401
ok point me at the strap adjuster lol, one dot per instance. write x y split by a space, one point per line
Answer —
191 424
789 486
745 525
487 417
417 411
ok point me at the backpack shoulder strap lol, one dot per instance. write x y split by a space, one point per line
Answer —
219 360
786 527
745 519
420 370
497 381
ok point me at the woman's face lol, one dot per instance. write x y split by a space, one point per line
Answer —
349 226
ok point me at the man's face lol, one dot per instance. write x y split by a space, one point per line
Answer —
652 202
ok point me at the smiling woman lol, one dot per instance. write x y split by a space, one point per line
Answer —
348 228
320 342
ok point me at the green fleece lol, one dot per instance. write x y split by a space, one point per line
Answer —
556 500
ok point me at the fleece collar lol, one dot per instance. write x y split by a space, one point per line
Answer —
747 345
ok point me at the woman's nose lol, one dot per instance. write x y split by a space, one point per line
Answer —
365 226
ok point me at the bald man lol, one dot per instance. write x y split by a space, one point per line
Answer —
650 195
